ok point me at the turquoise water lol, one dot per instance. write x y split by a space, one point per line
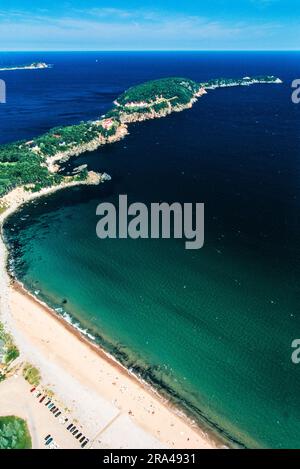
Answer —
212 328
218 333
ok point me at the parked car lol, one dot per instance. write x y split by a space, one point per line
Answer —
33 389
43 398
48 436
69 426
78 436
49 441
82 439
53 445
84 443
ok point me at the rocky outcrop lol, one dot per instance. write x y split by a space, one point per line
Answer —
131 117
52 162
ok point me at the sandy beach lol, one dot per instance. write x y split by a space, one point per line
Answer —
113 406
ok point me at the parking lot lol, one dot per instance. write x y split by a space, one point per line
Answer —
16 399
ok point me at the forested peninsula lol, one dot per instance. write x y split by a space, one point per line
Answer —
34 164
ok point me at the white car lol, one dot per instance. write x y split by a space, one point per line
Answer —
53 445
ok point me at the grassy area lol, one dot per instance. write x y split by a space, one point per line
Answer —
31 374
12 353
49 392
3 207
10 349
14 433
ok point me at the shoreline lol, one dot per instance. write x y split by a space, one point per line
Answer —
14 289
121 369
53 162
34 66
54 344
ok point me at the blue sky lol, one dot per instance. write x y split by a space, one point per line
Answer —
149 25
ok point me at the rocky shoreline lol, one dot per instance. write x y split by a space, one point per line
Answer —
52 162
132 117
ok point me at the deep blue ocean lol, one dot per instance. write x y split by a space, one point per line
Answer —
211 328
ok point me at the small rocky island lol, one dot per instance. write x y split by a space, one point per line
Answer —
33 66
34 164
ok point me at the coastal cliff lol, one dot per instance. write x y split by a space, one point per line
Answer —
157 109
52 162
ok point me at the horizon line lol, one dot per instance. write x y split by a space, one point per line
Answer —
150 50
